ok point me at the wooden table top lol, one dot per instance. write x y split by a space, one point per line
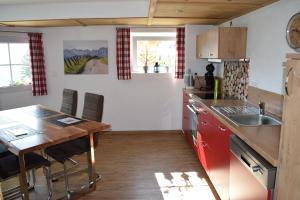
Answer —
51 133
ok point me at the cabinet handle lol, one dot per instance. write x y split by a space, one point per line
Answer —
287 82
191 109
257 168
222 129
203 144
204 123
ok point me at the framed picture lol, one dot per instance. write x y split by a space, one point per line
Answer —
85 56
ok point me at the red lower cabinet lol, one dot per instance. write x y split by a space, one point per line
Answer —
202 151
213 153
185 116
220 163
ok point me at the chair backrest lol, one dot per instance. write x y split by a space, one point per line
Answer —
93 107
69 102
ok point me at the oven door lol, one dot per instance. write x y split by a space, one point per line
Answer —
193 114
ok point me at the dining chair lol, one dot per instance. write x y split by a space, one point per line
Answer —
9 168
69 102
3 150
92 110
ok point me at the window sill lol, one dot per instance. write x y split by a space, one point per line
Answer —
154 76
151 73
13 89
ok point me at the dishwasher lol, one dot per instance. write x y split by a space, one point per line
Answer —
251 176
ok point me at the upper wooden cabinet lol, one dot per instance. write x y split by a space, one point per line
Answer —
223 42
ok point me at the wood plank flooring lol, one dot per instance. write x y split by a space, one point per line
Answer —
141 166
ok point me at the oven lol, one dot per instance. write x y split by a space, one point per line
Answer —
251 176
193 125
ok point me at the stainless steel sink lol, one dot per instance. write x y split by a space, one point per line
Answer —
246 115
254 120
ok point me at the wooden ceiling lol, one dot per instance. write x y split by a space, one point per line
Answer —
163 13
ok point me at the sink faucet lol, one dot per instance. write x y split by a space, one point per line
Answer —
261 107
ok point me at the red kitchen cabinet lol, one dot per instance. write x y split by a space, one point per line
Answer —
213 152
219 167
205 153
203 150
185 114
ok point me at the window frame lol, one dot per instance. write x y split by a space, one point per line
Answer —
13 38
135 38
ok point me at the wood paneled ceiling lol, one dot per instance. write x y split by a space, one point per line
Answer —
163 13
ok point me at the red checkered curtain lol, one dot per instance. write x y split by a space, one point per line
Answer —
39 85
123 53
179 65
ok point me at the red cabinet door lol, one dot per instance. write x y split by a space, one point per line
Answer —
185 114
185 120
202 150
219 165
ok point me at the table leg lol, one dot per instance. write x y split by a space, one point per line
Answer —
22 177
91 163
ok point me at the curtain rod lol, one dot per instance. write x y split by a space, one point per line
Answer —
17 32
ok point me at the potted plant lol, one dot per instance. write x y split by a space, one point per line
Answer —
146 61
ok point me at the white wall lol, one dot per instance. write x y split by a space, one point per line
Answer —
267 44
147 102
197 65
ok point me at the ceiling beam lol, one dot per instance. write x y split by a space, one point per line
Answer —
80 22
152 8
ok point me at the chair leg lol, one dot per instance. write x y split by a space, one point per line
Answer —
49 182
59 174
66 180
33 178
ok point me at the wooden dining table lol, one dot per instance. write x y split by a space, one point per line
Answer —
47 132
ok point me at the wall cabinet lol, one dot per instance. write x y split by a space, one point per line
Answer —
223 43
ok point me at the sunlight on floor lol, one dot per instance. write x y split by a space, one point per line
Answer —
183 186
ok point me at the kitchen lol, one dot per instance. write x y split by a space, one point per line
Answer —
266 48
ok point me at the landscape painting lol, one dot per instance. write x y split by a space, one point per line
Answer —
86 57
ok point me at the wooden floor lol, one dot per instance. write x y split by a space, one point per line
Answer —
141 166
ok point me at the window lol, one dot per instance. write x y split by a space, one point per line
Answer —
149 48
14 64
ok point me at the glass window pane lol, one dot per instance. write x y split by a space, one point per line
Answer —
19 53
21 74
4 75
4 57
149 52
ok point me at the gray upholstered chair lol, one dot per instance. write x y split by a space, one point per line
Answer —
9 167
92 110
69 102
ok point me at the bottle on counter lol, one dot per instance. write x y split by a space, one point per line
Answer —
188 79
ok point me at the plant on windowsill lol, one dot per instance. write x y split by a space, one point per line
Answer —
146 62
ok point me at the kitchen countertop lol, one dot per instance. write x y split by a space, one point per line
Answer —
263 139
